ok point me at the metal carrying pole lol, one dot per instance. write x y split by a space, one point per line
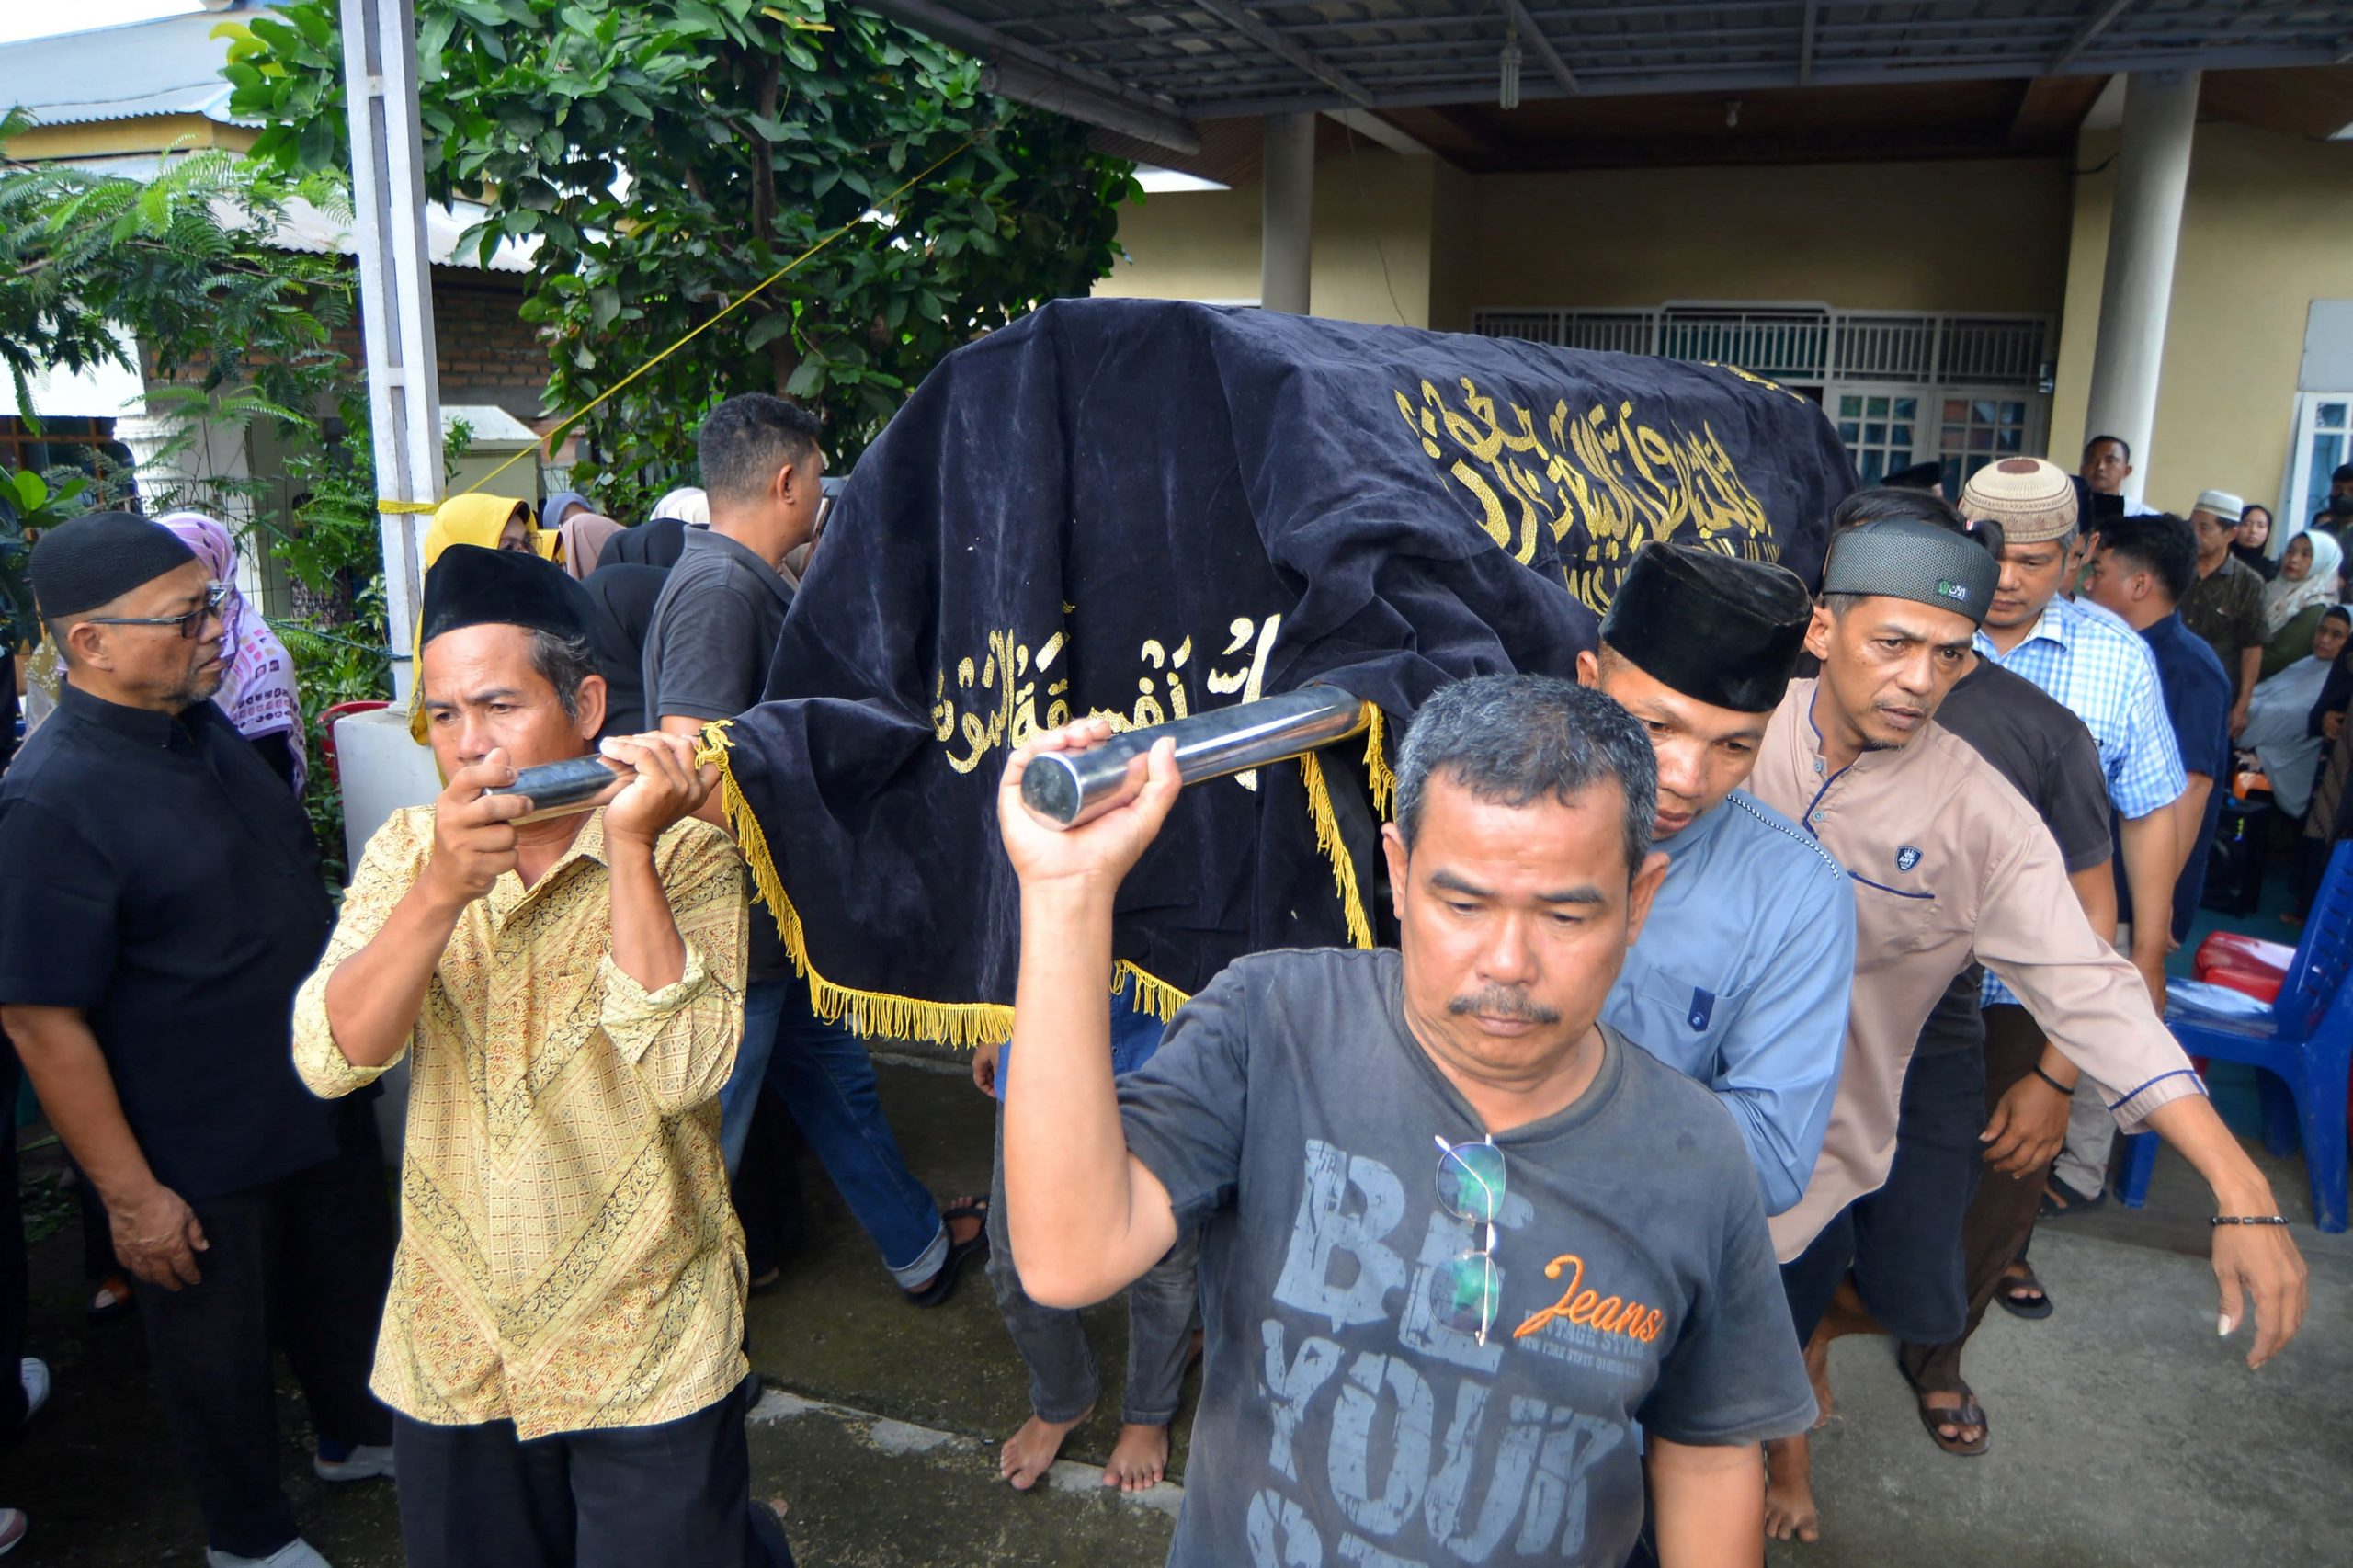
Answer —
1065 788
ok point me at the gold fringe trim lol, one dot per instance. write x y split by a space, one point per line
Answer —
1376 765
1335 849
878 1015
1153 994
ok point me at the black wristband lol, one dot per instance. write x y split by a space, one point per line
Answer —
2067 1089
2249 1219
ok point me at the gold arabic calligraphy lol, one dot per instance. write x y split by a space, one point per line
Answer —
994 700
1624 481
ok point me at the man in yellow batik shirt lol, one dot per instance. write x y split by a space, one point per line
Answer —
562 1346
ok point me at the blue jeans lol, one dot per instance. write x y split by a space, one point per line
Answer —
826 1078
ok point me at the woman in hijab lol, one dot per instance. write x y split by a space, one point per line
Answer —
2252 541
493 522
257 687
2292 603
561 505
581 540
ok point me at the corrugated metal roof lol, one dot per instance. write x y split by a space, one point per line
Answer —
1207 58
169 65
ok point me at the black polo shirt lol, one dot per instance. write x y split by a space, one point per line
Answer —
156 874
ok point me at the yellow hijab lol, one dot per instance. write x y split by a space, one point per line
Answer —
473 518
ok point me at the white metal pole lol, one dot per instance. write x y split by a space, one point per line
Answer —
2144 225
395 293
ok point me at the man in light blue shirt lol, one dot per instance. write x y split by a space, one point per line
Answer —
1740 977
2098 668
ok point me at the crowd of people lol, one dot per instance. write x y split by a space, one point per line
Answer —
1768 982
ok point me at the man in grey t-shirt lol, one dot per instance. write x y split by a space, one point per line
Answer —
1461 1239
708 648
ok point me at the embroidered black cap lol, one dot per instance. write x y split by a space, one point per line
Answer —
1721 631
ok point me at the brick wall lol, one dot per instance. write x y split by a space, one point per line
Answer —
488 353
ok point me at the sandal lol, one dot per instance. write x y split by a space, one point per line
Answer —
2060 1201
943 1284
2022 1295
1968 1412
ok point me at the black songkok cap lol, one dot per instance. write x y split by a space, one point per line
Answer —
1919 476
1720 632
1897 558
95 560
473 587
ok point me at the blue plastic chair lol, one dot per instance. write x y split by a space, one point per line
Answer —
2303 1042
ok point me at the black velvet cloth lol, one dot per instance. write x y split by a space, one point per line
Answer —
1110 505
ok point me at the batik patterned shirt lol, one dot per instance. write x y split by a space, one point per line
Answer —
568 1257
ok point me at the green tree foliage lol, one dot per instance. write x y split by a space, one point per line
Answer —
182 266
667 155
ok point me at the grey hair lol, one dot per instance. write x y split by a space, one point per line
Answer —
1513 739
564 663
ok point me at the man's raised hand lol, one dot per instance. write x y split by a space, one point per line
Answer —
666 786
473 833
1101 851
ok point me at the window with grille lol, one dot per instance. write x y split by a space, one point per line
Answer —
1901 388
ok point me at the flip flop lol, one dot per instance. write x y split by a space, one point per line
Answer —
2034 1309
2072 1202
1969 1412
943 1284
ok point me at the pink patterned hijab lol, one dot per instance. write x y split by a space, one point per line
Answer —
258 693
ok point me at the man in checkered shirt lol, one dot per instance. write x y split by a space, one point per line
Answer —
2101 671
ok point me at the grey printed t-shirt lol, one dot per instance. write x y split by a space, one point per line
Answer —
1341 1420
707 649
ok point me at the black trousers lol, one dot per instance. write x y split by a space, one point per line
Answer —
1902 1243
12 1253
624 1498
299 1263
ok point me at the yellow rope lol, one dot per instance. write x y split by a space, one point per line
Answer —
390 508
880 1015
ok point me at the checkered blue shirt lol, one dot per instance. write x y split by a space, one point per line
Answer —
2101 670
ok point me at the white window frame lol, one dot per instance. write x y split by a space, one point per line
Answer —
2298 498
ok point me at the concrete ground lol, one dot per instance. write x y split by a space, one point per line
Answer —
2124 1433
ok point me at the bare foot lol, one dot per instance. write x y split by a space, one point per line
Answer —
1029 1453
1139 1459
1817 1371
1789 1513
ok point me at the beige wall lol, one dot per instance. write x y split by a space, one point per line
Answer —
2267 228
1372 255
1946 236
1952 236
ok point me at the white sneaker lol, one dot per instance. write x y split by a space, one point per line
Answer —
295 1553
35 1375
363 1462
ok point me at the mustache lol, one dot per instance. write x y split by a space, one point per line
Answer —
1503 1002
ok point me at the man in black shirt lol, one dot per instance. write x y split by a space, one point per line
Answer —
160 901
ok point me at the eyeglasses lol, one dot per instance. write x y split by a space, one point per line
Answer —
1469 1290
215 595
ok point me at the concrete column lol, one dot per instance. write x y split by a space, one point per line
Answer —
1287 195
2144 224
